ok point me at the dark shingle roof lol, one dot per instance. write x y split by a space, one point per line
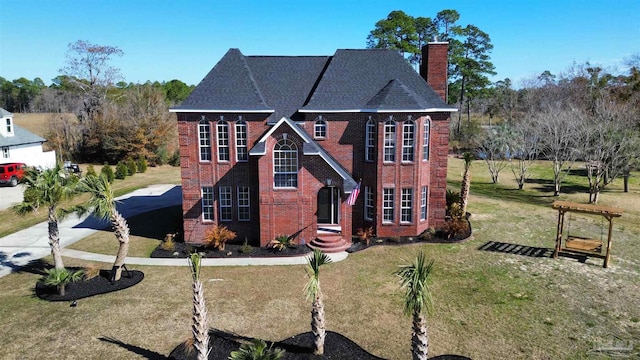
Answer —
21 137
350 80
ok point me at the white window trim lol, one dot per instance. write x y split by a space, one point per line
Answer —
208 203
225 203
242 133
370 140
423 202
293 151
204 142
368 203
241 205
406 206
6 152
408 141
388 199
222 135
389 152
426 135
320 129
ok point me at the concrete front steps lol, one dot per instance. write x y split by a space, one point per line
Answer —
330 243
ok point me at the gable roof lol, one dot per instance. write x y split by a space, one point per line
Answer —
309 147
21 137
4 113
371 80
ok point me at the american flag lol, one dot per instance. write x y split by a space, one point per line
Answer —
354 195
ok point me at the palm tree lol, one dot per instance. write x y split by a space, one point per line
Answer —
417 302
103 204
199 316
466 182
48 188
257 350
312 289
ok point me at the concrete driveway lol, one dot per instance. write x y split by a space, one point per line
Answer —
10 195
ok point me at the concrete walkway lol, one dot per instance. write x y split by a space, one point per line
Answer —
20 248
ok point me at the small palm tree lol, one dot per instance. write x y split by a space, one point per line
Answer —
256 350
48 188
466 182
414 279
60 278
312 289
199 328
103 204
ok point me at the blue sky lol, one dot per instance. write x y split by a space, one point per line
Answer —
165 40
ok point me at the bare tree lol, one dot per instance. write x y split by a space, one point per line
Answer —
524 145
494 150
89 70
610 144
557 127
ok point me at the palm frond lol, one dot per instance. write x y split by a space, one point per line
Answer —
414 279
102 199
314 262
195 261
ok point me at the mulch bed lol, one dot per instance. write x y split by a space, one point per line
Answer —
85 288
183 250
300 346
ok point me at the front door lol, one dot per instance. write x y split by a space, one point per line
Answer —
328 205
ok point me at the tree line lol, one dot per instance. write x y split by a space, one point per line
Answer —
587 114
114 120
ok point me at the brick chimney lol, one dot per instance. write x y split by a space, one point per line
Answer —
434 66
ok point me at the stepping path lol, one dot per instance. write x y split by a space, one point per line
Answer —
22 247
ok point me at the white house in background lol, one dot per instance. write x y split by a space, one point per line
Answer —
19 145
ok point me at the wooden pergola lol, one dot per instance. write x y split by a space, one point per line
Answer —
581 245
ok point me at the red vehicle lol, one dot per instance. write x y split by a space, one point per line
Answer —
11 173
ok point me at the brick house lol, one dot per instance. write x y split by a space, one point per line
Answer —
275 145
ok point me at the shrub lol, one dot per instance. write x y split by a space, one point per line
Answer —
256 350
217 236
61 277
365 234
427 234
121 170
90 271
281 242
91 170
455 229
132 167
168 244
162 156
454 209
245 248
142 165
108 172
174 160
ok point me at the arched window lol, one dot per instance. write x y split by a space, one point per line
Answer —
370 141
241 141
285 164
320 129
204 138
389 141
425 139
408 140
223 140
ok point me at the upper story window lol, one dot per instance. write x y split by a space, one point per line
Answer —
320 129
204 138
370 141
389 141
207 203
425 139
223 140
408 140
9 127
241 141
285 164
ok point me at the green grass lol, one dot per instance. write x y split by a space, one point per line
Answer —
487 304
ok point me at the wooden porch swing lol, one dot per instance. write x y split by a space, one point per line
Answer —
582 245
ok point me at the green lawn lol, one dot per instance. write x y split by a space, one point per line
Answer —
488 304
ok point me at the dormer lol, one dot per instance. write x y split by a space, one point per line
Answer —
6 124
